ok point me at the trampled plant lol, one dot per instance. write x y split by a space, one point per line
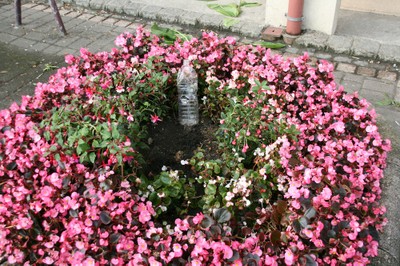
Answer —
296 181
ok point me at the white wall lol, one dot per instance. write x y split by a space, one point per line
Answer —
319 15
387 7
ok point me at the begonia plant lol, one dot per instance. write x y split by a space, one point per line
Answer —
296 181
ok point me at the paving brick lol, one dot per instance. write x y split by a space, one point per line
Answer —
65 51
353 77
342 59
36 7
40 47
63 41
373 84
361 63
292 50
23 43
110 21
6 37
351 86
324 56
30 5
53 49
374 97
47 10
98 18
123 23
387 75
81 42
64 12
36 36
86 16
338 75
345 67
366 71
73 14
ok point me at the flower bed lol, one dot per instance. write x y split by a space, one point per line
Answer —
296 181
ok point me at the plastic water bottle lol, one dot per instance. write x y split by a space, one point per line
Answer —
187 95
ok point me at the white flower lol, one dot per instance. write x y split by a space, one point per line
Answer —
184 162
164 168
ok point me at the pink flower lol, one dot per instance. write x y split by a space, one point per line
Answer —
155 118
339 127
177 250
142 245
289 257
196 262
326 193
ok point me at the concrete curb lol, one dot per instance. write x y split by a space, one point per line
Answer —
357 46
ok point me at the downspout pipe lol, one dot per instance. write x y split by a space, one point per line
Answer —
294 17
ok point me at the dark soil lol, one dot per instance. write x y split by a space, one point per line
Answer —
171 142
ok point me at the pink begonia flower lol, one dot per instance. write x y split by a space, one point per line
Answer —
371 128
155 118
198 218
154 262
89 262
177 248
271 261
48 261
196 263
326 193
11 259
289 257
142 245
339 127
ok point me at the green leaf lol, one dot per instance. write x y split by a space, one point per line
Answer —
168 34
211 189
84 131
230 10
115 133
105 133
166 179
271 45
46 135
154 198
53 148
95 144
92 157
222 215
249 4
229 22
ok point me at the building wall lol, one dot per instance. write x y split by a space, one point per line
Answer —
320 15
387 7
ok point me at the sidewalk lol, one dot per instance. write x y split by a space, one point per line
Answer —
376 81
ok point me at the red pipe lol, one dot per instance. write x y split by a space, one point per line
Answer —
294 17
